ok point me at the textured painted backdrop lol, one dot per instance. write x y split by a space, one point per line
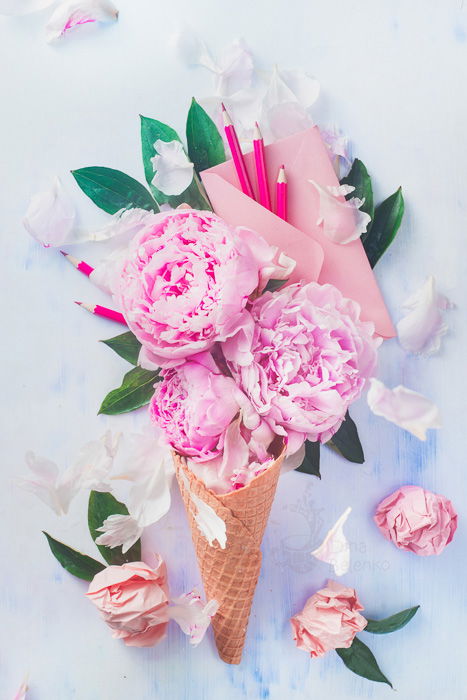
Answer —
393 78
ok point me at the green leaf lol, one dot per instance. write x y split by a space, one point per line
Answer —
152 131
126 345
359 659
386 223
78 564
346 441
310 464
274 285
205 145
358 177
136 390
100 507
391 624
112 190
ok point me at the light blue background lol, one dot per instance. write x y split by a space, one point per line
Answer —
394 78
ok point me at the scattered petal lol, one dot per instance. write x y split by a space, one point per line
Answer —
421 330
193 615
50 216
95 461
173 170
210 524
22 7
407 409
119 530
22 690
335 548
192 50
52 488
288 96
339 151
73 13
341 220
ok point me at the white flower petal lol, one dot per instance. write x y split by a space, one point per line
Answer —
50 216
73 13
341 221
405 408
191 49
173 170
305 88
119 530
421 330
53 488
209 523
339 150
234 71
335 548
283 112
95 461
22 7
193 615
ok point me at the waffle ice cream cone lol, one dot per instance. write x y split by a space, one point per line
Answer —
230 575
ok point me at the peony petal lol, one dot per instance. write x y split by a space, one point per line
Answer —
119 530
22 691
73 13
407 409
50 216
22 7
341 220
209 523
193 615
52 488
339 150
173 170
335 548
421 330
284 105
191 49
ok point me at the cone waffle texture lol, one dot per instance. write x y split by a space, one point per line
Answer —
230 575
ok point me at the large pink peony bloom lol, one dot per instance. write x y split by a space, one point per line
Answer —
416 520
185 282
329 620
304 360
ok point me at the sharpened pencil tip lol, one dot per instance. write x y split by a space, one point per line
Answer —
63 253
223 107
78 302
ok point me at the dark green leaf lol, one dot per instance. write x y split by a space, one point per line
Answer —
393 623
126 345
152 131
346 441
205 145
310 464
386 223
78 564
274 285
358 177
112 190
359 659
136 390
100 507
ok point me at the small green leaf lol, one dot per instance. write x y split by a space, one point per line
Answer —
359 659
112 190
346 441
136 390
310 464
358 177
100 507
126 345
386 223
78 564
205 145
274 285
391 624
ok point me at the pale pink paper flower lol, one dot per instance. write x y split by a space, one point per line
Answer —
133 601
74 13
335 548
330 620
342 220
417 520
422 328
173 171
193 615
50 216
22 692
404 407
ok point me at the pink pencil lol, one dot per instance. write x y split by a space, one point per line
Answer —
103 311
79 264
281 194
237 154
260 162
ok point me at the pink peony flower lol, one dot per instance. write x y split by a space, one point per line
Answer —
329 620
416 520
185 282
133 601
303 360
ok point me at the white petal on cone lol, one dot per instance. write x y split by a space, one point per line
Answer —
407 409
421 330
22 7
50 216
74 13
119 530
334 217
173 171
293 461
209 523
335 548
193 615
22 692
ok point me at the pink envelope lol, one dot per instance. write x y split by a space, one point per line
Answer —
305 158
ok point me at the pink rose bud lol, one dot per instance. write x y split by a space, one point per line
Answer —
417 520
329 620
133 601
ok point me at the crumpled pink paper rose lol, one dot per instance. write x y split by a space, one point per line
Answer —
329 620
417 520
303 360
185 282
133 601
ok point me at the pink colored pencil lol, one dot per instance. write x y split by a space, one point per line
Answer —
103 311
79 264
237 154
260 162
281 194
